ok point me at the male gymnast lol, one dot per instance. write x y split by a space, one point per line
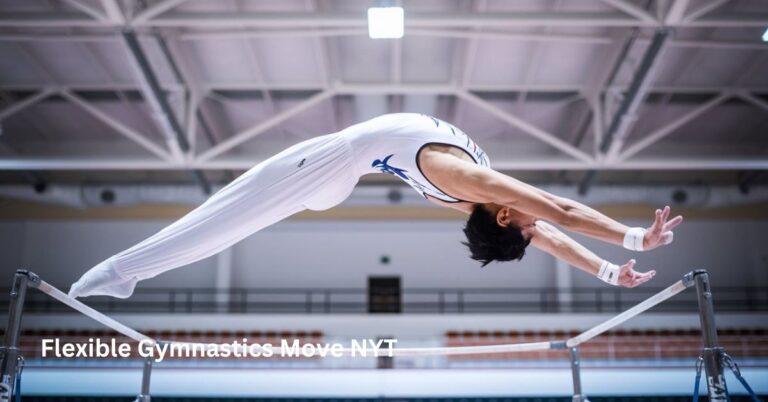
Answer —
434 157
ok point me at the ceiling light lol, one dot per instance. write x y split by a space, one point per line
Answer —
386 22
765 35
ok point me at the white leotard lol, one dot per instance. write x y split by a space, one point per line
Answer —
391 144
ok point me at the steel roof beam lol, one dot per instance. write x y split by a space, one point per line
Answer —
535 163
626 115
160 107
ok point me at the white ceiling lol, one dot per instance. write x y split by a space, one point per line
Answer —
527 79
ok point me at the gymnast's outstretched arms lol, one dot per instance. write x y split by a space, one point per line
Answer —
483 185
551 240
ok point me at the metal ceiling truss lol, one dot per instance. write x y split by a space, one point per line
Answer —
625 116
162 15
183 153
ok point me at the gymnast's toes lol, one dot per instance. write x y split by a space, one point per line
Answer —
103 280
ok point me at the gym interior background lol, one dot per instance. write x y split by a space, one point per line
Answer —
118 116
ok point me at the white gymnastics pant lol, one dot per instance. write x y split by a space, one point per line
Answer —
316 174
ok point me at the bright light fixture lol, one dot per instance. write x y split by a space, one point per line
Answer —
765 35
386 22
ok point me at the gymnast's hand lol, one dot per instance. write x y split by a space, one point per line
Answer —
660 233
630 278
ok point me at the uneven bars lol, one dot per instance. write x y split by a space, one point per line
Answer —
648 303
57 294
469 350
441 351
643 306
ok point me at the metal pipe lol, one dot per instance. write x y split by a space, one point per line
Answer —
159 103
145 377
10 349
713 353
638 88
626 114
77 305
641 307
578 396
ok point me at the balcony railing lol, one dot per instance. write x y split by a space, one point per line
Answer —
414 300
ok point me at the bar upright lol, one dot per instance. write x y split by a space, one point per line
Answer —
713 353
578 396
10 353
145 377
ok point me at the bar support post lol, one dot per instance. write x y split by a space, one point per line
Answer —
578 396
713 353
10 350
146 375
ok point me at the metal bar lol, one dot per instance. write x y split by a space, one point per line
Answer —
116 125
424 32
154 96
156 10
641 307
626 114
676 12
161 108
653 137
49 19
730 20
526 127
717 44
25 103
438 351
273 33
403 88
349 20
77 305
87 9
10 351
510 36
260 128
754 100
632 10
112 11
189 77
713 353
146 375
638 89
193 114
530 162
703 10
578 396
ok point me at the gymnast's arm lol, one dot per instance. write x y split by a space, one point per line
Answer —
549 239
658 234
479 184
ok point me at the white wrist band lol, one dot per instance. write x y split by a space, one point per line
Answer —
633 239
609 273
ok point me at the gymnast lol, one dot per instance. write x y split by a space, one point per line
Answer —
434 157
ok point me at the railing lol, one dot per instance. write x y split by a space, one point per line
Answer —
414 300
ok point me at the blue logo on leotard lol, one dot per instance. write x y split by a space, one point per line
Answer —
384 167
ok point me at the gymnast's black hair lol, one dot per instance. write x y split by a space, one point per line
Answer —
488 241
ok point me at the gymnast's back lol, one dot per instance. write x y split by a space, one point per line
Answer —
391 143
